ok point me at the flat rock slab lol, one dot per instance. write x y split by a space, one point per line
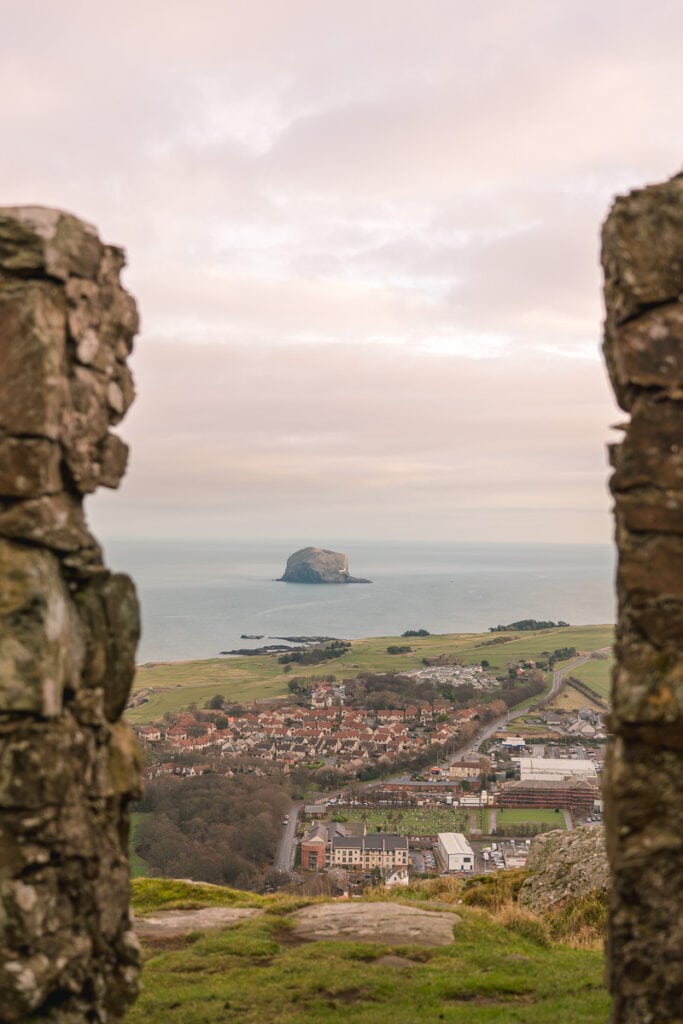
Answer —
388 923
182 922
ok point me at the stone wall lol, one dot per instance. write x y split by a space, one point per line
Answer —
643 266
68 627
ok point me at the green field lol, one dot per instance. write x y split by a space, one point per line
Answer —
176 685
535 815
597 674
424 821
500 967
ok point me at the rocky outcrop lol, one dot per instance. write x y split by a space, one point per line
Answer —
68 627
388 923
565 865
168 923
643 264
318 565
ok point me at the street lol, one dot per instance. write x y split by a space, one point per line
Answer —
286 850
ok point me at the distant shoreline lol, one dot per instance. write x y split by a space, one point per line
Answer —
309 641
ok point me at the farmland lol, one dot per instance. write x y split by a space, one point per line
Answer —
597 674
172 686
524 815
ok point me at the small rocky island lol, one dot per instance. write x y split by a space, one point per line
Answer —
318 565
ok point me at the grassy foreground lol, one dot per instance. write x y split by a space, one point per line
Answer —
175 685
502 966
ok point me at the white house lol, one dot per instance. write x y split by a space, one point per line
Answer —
456 852
395 876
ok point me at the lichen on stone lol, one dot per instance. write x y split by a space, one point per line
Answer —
68 627
642 256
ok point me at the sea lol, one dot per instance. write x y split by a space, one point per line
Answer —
198 598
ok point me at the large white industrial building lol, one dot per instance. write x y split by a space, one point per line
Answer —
554 769
456 853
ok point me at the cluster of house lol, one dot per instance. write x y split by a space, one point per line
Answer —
289 734
585 724
456 675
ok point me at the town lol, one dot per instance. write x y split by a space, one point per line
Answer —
380 793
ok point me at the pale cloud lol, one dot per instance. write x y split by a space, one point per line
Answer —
344 437
364 240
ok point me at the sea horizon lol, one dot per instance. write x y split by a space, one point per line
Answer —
199 597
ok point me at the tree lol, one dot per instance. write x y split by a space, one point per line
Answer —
212 829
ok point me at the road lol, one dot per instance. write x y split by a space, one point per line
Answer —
499 723
559 674
286 850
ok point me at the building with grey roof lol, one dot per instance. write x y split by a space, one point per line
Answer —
372 850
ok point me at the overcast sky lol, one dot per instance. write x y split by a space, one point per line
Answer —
363 236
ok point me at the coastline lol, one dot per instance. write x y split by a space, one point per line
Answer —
169 685
198 598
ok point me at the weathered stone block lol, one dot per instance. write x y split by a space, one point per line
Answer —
56 522
120 321
92 455
651 511
648 351
47 765
33 359
641 250
124 762
113 460
81 566
102 318
29 467
645 841
657 620
41 639
36 239
647 684
650 565
651 454
110 612
643 784
68 628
